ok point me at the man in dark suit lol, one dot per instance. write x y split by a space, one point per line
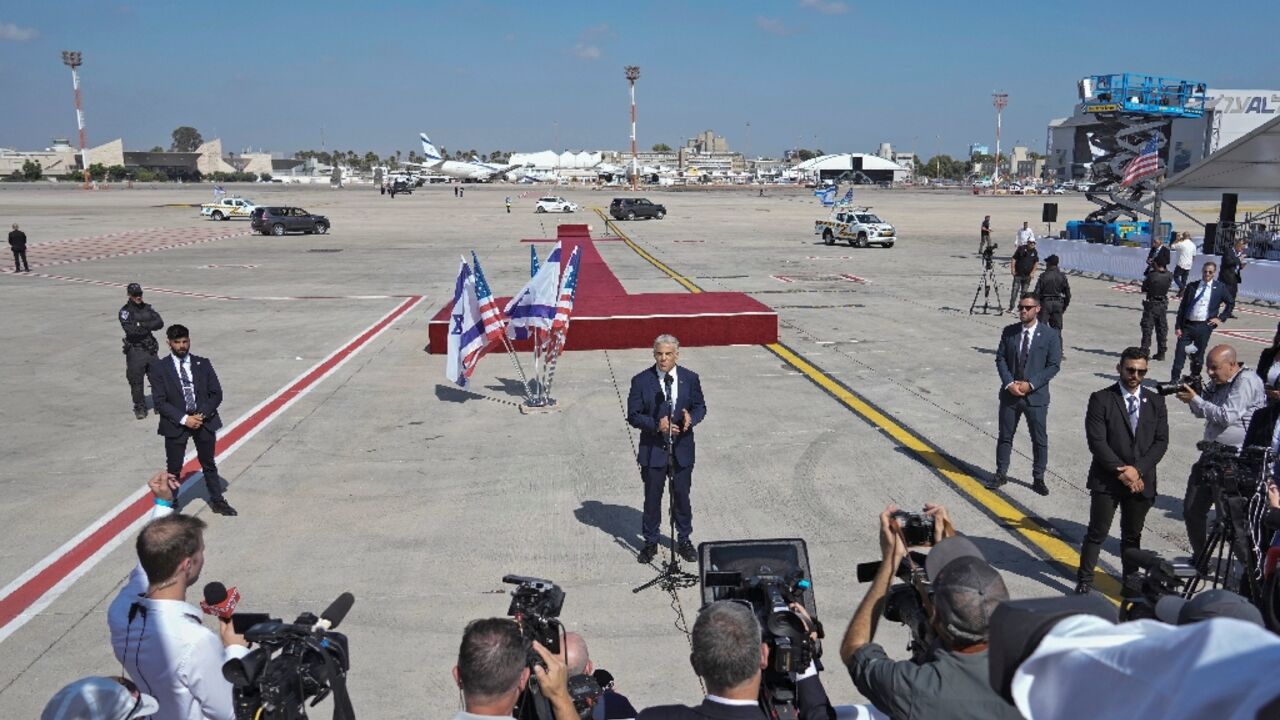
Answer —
729 657
1268 356
1205 305
1127 428
1028 357
665 404
1233 267
186 393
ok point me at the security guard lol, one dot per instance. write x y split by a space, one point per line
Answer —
1155 308
139 320
1054 292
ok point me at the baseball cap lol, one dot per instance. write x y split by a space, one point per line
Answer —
965 594
952 548
1209 604
134 289
99 698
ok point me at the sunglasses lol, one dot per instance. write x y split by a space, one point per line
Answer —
1028 307
1134 371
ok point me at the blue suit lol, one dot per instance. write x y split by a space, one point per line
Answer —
1221 303
1044 356
646 406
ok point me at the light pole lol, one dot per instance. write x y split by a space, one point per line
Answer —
73 59
633 74
1000 100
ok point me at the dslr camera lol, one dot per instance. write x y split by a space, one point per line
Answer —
1195 382
293 662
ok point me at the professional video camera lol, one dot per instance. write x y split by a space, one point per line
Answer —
293 663
905 603
1159 578
1195 382
769 575
988 255
1221 468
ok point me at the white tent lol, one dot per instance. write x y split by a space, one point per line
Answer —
1250 164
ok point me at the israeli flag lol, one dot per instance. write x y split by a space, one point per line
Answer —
466 330
535 305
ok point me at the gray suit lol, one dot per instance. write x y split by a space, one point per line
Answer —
1043 357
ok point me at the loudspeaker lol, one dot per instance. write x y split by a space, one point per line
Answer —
1050 213
1227 215
1210 239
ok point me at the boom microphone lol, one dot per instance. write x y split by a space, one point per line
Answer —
336 611
219 601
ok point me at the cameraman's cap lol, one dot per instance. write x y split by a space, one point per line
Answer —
134 290
98 697
1210 604
965 594
953 548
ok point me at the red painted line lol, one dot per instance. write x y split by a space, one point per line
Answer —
1238 336
855 278
35 587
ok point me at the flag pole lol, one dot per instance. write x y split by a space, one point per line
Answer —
515 362
551 370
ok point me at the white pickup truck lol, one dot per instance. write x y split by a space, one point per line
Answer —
858 226
227 208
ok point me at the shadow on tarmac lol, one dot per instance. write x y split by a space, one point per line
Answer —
984 351
1097 351
620 521
449 393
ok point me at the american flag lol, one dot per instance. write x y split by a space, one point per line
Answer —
568 289
1145 165
490 314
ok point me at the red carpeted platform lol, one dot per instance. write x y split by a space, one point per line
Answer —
606 317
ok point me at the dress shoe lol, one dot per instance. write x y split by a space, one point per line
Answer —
1039 488
1083 587
686 551
140 413
997 481
1158 357
219 505
647 553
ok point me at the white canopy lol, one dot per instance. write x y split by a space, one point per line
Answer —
1250 164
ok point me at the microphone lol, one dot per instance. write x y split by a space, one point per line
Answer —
336 611
219 601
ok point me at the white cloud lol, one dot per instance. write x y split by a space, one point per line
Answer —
588 45
586 52
774 26
13 33
826 7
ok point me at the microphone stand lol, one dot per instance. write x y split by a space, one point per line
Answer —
671 576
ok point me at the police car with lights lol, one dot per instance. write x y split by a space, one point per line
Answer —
858 226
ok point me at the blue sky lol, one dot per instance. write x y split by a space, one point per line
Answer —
842 75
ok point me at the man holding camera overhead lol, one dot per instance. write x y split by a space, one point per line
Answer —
1226 407
1127 428
952 682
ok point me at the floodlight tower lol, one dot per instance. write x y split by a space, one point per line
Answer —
633 74
73 60
1000 100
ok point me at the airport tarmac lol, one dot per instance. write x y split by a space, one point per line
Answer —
377 477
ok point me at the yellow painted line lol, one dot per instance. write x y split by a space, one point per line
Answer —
997 505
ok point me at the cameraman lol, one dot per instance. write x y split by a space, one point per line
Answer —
156 634
730 657
1022 267
611 705
493 670
953 682
1229 401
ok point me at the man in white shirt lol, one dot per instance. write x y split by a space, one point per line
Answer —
158 636
1184 251
1205 305
1025 235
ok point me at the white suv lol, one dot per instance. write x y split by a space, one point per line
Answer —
552 203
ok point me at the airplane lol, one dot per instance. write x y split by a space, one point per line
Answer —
473 169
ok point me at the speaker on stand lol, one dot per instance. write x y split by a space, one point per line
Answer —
1226 223
1210 246
1049 215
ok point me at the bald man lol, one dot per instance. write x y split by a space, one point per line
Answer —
612 705
1229 400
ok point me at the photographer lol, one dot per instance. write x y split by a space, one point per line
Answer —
953 681
493 670
730 657
156 634
1022 267
1229 401
611 705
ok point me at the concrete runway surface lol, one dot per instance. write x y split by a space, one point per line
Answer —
358 468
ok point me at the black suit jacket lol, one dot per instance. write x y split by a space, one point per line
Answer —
1043 359
646 405
811 704
1220 303
1113 444
1265 360
166 392
1262 425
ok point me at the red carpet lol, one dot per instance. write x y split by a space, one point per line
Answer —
606 317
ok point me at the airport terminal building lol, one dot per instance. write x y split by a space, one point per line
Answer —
1229 115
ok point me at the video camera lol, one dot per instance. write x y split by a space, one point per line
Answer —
1221 468
1159 578
905 603
770 576
988 255
293 663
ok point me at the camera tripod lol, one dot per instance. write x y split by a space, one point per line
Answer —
988 286
671 577
1228 550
